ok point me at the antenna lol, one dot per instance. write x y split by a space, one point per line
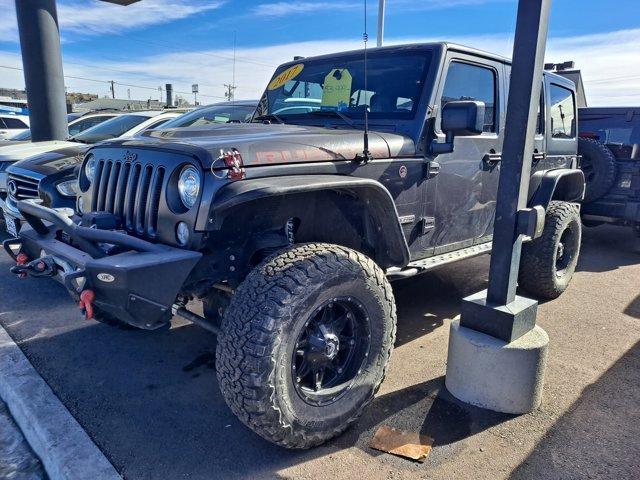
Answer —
365 156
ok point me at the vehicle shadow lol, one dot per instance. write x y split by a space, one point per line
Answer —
607 248
150 400
633 309
592 439
426 300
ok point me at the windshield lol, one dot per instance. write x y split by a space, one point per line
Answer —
394 84
110 129
213 114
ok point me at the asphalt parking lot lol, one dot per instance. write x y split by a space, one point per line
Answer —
150 400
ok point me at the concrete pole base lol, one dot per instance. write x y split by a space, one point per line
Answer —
490 373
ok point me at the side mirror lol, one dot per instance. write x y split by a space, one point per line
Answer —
459 118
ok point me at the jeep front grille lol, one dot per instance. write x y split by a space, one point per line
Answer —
20 187
131 191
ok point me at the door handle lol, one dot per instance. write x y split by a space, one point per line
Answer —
538 156
492 158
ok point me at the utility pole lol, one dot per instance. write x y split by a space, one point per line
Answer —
229 93
42 65
113 89
380 36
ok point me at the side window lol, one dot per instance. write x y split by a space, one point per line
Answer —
540 121
14 123
472 82
563 112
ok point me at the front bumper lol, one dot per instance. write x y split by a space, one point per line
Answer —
138 283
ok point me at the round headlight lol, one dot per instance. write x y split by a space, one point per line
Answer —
189 185
90 168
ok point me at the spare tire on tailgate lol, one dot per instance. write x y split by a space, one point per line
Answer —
599 167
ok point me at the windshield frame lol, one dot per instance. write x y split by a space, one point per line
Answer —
425 51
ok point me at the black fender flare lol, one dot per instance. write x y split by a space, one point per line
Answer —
566 184
373 196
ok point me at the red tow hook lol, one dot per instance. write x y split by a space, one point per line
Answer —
86 303
22 259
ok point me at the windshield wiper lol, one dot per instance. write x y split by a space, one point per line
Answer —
270 116
334 113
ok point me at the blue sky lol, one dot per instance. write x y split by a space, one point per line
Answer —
191 41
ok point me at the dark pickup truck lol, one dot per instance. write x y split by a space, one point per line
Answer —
289 228
610 149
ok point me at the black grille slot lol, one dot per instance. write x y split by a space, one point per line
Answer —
132 192
22 188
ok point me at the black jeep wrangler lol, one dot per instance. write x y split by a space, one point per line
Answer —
609 145
289 228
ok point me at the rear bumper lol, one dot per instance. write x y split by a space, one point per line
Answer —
612 212
138 285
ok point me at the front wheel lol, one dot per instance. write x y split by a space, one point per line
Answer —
305 343
548 262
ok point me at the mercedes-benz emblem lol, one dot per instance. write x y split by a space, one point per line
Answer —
12 188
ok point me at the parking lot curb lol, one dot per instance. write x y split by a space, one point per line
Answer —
65 449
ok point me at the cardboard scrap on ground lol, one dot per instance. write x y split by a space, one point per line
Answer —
404 444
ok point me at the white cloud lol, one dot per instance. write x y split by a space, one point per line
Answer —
282 9
94 18
610 63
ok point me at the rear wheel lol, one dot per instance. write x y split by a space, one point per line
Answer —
548 262
305 343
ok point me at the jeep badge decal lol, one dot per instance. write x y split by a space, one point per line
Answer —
106 277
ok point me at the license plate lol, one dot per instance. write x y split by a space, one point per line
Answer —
11 225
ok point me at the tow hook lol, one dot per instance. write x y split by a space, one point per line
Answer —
21 260
40 267
86 303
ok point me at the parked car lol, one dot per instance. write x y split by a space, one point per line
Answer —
11 125
77 124
289 228
47 171
610 149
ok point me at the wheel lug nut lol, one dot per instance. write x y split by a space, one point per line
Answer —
352 342
339 370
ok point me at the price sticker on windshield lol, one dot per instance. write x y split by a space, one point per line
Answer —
283 77
336 92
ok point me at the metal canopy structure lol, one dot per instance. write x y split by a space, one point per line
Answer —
42 64
501 313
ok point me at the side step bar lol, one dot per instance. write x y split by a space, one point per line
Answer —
429 263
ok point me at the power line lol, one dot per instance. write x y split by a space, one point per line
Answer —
111 83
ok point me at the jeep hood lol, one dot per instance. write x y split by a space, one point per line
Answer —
265 144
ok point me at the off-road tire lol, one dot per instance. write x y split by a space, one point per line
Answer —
599 166
539 273
253 354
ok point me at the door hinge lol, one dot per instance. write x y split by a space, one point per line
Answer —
432 169
427 224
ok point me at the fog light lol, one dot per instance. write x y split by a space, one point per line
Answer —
182 233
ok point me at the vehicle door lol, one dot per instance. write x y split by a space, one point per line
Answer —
467 183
